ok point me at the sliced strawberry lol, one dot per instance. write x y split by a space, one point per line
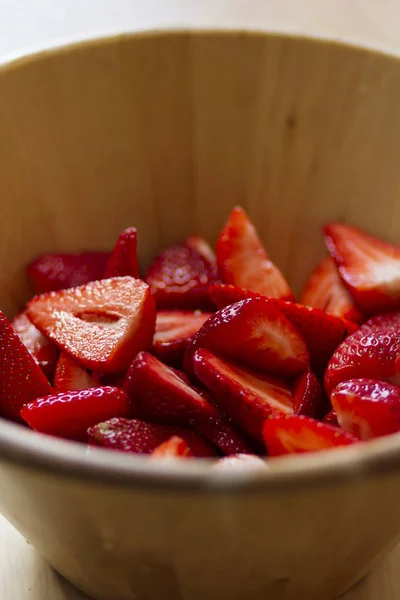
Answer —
331 418
367 408
43 351
175 447
69 414
135 435
201 246
242 462
298 434
179 278
369 266
102 325
256 333
321 332
249 397
59 271
71 376
372 351
174 332
160 394
243 261
21 380
307 396
123 259
325 290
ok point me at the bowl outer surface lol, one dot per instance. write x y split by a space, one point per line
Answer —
168 132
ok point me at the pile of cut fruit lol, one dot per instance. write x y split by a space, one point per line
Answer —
208 355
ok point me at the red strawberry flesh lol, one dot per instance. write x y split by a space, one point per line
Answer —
174 332
373 351
123 259
243 261
369 266
159 394
247 396
102 325
367 408
69 414
140 437
175 447
254 332
43 351
21 378
59 271
299 434
70 375
325 290
179 278
307 398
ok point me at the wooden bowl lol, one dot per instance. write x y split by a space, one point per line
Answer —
168 132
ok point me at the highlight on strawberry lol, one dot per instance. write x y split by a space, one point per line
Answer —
208 354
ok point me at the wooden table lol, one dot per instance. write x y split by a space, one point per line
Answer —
30 24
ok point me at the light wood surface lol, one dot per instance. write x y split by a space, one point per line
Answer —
31 23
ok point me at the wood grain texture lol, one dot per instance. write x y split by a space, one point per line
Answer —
23 575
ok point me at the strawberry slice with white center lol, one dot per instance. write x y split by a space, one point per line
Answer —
369 266
140 437
244 262
298 434
123 260
174 332
325 290
175 447
249 397
160 394
21 380
373 351
102 324
367 408
321 332
255 332
70 375
43 351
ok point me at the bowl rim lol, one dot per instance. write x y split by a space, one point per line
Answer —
25 449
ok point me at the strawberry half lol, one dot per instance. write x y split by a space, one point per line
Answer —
247 396
255 332
123 259
243 261
160 394
59 271
369 266
373 351
307 397
325 290
175 447
298 434
174 332
22 380
179 278
69 414
102 325
135 435
367 408
70 375
43 351
321 332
